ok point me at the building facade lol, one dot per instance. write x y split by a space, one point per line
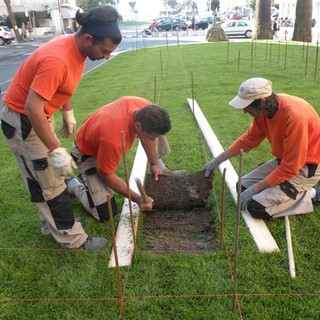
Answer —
59 15
287 8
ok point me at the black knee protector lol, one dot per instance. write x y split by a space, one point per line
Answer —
61 210
257 210
103 210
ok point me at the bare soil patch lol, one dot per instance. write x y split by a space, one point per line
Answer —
181 222
167 231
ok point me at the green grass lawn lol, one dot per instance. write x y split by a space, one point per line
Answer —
40 281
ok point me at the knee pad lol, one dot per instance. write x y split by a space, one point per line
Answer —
257 210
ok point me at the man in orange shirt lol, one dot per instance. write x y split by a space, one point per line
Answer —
98 150
281 186
44 84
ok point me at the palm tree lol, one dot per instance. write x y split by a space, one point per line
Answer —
302 25
12 20
263 20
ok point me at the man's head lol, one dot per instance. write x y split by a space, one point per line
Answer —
152 120
99 32
255 97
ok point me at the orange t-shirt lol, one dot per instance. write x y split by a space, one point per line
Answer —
54 71
100 134
294 136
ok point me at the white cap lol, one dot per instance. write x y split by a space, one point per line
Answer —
250 90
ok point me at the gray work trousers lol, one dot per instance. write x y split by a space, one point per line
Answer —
279 200
47 191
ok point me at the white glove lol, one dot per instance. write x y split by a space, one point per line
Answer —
69 123
245 196
213 164
61 162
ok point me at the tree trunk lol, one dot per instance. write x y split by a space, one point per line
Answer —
263 20
302 25
13 20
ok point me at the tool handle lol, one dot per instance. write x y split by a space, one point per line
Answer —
142 191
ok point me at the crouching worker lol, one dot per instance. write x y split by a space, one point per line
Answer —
281 186
97 150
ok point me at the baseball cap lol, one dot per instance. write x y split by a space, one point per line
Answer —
250 90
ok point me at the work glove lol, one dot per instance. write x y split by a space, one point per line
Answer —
61 162
69 123
213 164
245 196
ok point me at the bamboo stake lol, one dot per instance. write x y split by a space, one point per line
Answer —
222 208
192 92
316 62
161 65
128 190
235 276
292 268
155 90
285 55
306 63
228 50
114 243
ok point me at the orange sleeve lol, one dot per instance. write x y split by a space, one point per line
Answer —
249 140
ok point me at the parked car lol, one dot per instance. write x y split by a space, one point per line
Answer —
6 35
172 24
238 28
156 21
203 23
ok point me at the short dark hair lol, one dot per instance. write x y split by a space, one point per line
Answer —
153 119
270 104
98 16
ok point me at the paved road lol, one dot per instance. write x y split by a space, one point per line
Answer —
11 56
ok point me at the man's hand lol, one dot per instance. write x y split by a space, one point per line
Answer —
69 123
61 162
246 195
213 164
146 205
155 171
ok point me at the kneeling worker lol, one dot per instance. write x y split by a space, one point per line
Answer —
281 186
97 150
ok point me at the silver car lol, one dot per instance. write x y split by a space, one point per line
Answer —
6 35
238 28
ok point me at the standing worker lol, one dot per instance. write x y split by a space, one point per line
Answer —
281 186
23 31
44 84
98 150
30 31
275 28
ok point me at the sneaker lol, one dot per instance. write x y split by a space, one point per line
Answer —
71 182
316 197
94 244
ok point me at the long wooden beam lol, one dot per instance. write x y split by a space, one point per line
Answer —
257 227
124 237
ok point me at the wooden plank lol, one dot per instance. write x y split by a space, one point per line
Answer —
257 227
124 238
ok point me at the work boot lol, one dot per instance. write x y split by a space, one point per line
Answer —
316 194
94 244
71 183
